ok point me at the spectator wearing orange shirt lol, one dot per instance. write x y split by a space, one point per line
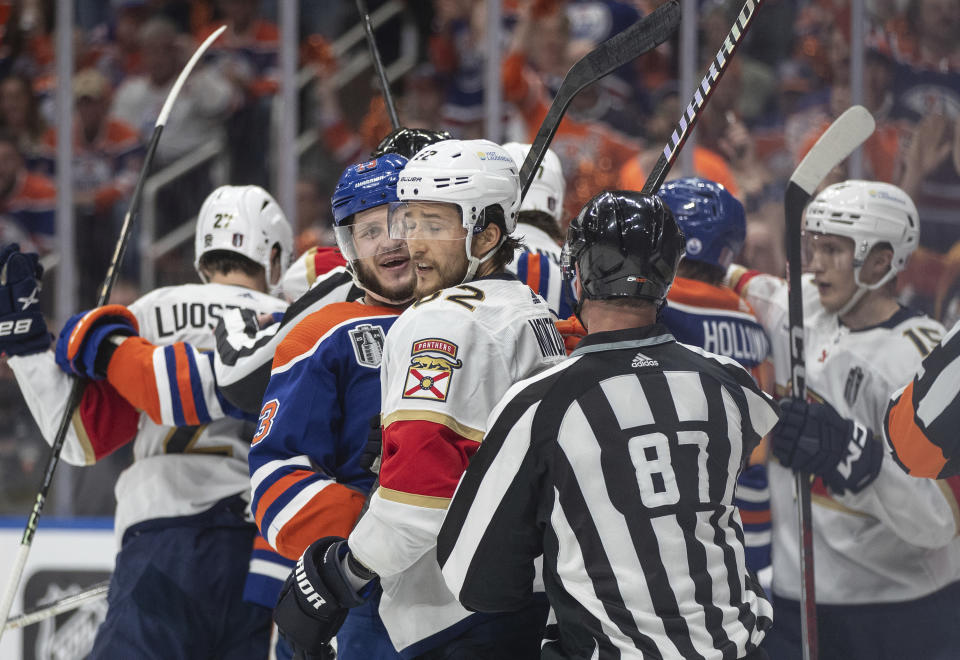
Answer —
592 153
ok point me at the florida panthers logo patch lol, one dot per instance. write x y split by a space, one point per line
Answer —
432 362
367 342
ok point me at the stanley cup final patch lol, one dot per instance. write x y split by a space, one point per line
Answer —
367 342
432 362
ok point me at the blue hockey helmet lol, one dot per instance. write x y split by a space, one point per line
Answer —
711 218
366 185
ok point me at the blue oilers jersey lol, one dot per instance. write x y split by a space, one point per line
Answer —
307 480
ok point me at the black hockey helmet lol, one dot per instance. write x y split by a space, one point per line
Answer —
626 244
408 141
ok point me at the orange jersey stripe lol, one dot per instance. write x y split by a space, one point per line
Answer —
922 457
331 512
132 359
183 384
701 294
308 331
754 517
533 270
278 489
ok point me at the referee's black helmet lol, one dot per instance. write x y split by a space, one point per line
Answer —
626 245
408 141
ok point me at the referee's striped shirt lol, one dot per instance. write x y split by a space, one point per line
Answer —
922 418
619 467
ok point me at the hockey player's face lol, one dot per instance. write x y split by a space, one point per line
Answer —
383 263
435 237
830 260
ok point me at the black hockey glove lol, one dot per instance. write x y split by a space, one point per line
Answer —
370 456
813 438
316 597
23 330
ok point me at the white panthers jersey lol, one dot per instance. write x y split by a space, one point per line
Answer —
446 363
177 471
895 540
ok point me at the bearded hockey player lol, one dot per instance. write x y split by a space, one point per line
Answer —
702 311
886 546
618 467
473 331
311 467
185 540
245 350
538 224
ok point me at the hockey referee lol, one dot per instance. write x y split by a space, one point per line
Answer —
618 467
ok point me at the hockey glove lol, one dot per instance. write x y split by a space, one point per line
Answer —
23 330
316 596
370 456
572 332
84 347
813 438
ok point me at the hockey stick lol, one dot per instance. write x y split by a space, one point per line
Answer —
76 389
65 604
700 97
641 37
844 135
378 63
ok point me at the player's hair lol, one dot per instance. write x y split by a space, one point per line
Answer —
701 271
504 254
224 262
627 303
542 221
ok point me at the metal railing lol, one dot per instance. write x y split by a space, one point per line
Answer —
153 247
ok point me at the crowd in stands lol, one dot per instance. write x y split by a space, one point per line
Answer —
787 83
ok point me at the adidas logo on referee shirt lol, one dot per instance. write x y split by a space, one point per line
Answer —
641 360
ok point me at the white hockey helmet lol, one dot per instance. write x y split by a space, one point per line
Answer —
246 220
870 213
548 186
473 175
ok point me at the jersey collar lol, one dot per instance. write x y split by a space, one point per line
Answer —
614 340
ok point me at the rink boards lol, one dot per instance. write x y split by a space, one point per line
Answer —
68 555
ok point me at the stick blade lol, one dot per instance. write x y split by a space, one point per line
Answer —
641 37
846 133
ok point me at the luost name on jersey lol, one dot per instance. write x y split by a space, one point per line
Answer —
736 340
174 318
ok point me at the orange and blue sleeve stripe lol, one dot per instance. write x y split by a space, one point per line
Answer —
752 498
267 573
535 270
175 385
305 477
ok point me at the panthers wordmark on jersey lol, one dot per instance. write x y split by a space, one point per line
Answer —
447 361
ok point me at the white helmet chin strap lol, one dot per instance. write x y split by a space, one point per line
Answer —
473 263
863 288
